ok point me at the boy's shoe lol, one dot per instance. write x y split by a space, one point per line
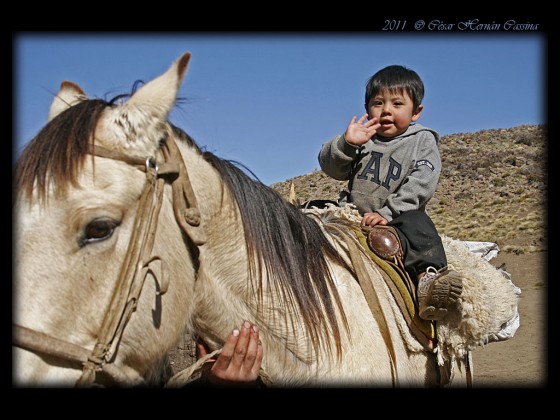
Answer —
437 291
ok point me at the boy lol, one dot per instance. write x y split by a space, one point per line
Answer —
393 168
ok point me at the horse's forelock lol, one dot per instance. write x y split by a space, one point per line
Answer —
56 154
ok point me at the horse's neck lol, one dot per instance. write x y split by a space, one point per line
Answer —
224 297
219 284
221 304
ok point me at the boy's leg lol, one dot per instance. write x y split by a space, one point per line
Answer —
421 242
425 260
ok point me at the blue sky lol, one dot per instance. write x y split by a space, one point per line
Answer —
269 101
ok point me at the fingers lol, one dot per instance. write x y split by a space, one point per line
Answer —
201 349
372 219
240 352
371 123
241 355
254 355
255 370
364 118
359 132
226 356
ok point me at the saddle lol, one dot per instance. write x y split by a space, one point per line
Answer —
385 248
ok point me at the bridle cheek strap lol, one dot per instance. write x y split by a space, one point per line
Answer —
130 281
138 258
185 204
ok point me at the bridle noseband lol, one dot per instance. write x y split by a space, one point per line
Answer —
134 268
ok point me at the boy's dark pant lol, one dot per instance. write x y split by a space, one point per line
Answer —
421 242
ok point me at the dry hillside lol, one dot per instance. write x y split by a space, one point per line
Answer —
493 187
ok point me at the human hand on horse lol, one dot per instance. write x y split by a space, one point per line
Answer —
240 359
372 219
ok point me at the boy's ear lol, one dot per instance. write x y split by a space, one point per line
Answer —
417 113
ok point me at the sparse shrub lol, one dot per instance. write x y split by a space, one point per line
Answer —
498 182
463 195
524 138
509 160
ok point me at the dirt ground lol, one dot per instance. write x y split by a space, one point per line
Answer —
520 362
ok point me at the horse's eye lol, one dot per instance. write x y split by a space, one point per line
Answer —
98 230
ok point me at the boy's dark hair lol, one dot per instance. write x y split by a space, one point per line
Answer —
396 78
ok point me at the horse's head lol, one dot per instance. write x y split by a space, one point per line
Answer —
91 279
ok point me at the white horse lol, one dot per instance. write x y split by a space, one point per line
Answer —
127 233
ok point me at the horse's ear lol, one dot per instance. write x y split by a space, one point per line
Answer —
158 96
68 95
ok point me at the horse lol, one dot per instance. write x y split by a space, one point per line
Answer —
127 234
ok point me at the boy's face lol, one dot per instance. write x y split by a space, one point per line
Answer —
394 111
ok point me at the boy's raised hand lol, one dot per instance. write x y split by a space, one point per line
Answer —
359 132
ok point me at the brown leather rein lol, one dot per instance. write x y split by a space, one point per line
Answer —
134 268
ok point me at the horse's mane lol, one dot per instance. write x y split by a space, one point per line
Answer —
291 246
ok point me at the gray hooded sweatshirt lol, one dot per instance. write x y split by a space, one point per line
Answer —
387 175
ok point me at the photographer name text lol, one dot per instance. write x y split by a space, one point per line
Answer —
467 25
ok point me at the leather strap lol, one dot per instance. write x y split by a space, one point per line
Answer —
384 242
130 281
372 299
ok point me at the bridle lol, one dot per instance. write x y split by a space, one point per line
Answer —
136 266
